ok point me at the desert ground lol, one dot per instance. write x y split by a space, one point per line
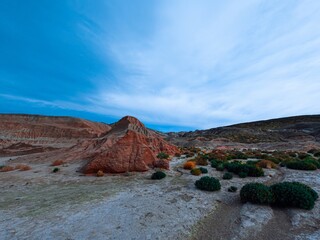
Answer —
39 204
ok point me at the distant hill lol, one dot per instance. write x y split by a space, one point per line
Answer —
290 132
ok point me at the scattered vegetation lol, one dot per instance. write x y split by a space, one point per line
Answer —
220 167
201 161
189 165
242 174
284 194
22 167
256 193
227 176
301 165
266 164
208 184
238 167
158 175
203 170
163 155
6 168
57 163
196 171
294 194
100 173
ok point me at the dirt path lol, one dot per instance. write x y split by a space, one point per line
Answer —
223 223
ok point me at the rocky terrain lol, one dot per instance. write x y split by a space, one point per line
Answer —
73 203
124 146
292 133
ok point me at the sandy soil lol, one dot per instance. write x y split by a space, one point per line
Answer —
39 204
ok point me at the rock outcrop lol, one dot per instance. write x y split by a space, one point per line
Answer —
46 130
124 146
128 146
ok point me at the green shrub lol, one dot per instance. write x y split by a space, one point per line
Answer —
301 165
303 155
242 174
232 189
227 176
203 170
294 194
254 171
312 160
196 171
56 170
202 161
162 155
158 175
256 193
250 170
251 162
220 167
215 163
208 184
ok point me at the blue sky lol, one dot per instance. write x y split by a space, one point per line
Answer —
174 64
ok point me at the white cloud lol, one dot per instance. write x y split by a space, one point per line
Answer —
209 64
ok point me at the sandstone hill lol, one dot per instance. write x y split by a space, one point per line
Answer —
300 132
126 145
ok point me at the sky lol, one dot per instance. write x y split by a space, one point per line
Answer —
176 65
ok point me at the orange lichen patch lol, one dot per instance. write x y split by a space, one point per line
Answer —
22 167
100 173
266 164
57 163
6 169
189 165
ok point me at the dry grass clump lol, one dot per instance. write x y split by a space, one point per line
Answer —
201 161
196 171
6 168
189 165
266 164
100 173
22 167
57 163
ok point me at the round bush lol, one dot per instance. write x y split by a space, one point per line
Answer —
208 184
293 194
201 161
100 173
158 175
220 167
243 174
227 176
256 193
56 170
214 163
189 165
196 171
203 170
301 165
254 171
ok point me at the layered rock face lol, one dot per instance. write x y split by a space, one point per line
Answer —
45 130
128 146
120 147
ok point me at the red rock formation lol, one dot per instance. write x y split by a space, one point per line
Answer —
37 129
128 146
124 146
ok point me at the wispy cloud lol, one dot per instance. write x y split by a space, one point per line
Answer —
209 64
195 64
